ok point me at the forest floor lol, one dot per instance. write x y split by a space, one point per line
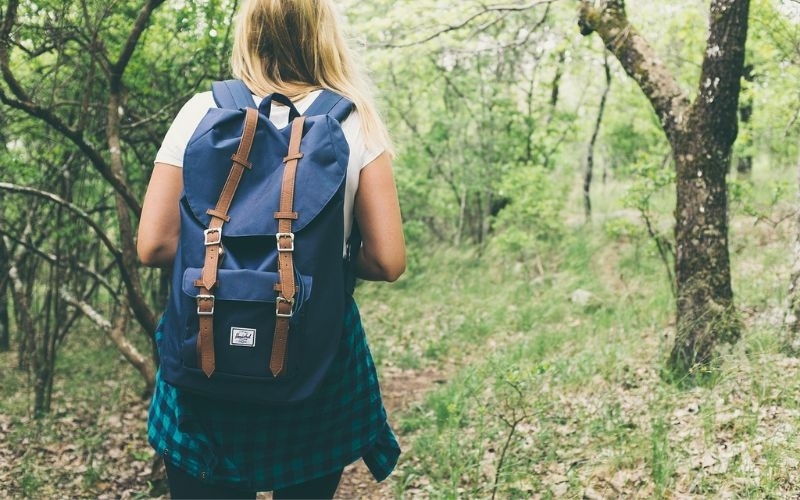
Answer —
401 389
62 452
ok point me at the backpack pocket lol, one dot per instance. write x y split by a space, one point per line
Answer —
243 319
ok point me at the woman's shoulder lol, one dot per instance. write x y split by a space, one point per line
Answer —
365 146
200 100
194 109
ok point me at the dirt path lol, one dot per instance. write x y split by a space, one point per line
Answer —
400 389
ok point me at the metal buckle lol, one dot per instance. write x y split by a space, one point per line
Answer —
278 238
205 297
206 232
285 301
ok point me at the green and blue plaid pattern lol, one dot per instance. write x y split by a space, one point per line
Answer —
263 448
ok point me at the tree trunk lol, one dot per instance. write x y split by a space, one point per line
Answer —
792 319
744 166
588 172
702 157
701 135
702 266
5 321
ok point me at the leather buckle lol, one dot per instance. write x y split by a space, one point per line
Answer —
282 300
203 297
281 236
211 231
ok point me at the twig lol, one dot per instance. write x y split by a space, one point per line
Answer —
455 27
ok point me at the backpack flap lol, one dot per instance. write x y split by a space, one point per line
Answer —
207 164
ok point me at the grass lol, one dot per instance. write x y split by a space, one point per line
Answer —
552 398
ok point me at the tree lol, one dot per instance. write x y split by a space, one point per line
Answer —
589 168
89 89
74 123
466 99
5 323
701 134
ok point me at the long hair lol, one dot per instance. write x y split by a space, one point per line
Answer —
295 46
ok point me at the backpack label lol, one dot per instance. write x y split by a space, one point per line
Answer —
243 337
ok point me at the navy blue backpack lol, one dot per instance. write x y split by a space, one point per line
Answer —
259 282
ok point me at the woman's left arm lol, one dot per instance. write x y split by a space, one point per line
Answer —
383 250
160 223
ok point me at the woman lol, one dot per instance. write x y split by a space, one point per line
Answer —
213 450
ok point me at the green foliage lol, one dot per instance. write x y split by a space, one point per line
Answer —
484 115
583 386
530 225
630 143
663 466
622 229
772 50
760 203
652 180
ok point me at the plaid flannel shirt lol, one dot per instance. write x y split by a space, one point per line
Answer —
264 448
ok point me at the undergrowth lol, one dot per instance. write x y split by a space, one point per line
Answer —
556 387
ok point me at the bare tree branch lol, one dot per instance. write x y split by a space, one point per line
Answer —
589 170
13 188
19 99
118 68
142 364
77 139
128 259
9 18
54 260
142 310
487 9
639 61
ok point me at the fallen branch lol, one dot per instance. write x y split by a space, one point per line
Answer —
115 332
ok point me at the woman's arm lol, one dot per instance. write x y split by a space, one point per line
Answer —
377 211
160 224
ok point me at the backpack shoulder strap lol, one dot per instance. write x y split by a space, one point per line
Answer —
330 103
232 94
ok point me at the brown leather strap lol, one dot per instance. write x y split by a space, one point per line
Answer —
285 241
213 243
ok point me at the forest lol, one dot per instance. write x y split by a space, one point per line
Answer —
600 205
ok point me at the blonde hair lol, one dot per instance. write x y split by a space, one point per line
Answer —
295 46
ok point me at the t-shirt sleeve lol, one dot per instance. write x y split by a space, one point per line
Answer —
182 128
362 150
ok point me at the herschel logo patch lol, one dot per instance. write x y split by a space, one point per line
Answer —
243 337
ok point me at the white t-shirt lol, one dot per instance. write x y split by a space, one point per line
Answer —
361 151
